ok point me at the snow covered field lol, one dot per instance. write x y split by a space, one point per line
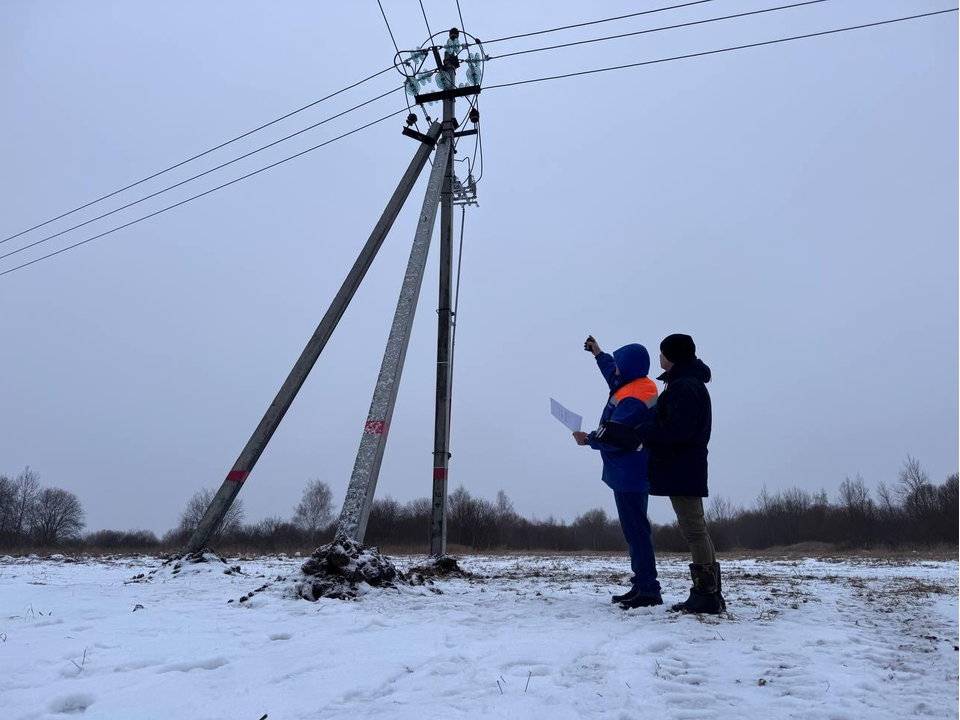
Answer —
529 637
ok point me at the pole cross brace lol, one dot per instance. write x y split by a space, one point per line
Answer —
409 132
447 94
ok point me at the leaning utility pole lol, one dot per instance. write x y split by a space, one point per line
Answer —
255 446
373 442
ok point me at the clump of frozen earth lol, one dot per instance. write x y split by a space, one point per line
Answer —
201 562
437 568
340 568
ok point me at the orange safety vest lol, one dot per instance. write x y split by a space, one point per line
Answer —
643 389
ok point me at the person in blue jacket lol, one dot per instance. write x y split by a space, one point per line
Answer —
632 394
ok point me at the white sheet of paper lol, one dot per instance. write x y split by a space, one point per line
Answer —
568 418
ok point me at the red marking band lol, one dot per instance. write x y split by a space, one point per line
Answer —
237 475
375 427
439 473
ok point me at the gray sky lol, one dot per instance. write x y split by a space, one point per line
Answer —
794 208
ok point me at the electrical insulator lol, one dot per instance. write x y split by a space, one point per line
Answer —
454 33
474 116
411 119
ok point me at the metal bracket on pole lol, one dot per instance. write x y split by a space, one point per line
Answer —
255 446
373 442
447 94
410 132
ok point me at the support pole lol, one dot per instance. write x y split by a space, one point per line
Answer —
271 420
441 437
373 442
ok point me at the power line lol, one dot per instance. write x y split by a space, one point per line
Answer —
721 50
395 46
199 155
479 135
596 22
200 195
427 22
199 175
460 13
659 29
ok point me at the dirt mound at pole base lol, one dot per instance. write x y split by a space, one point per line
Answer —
179 564
340 568
442 567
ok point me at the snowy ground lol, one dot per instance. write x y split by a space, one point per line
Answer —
534 637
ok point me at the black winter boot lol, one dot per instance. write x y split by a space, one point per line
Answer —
628 595
704 597
638 601
716 574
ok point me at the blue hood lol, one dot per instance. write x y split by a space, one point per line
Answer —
633 362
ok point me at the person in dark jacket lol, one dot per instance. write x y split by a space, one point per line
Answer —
625 471
676 433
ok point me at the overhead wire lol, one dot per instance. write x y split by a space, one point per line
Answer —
200 155
200 195
658 29
199 175
721 50
426 22
389 30
479 140
597 22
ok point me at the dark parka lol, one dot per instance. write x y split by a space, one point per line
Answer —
676 433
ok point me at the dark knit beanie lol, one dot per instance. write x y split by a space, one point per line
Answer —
678 348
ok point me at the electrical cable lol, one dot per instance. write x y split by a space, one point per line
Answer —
658 29
199 155
207 192
597 22
199 175
721 50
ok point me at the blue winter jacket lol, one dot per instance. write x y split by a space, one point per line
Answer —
632 394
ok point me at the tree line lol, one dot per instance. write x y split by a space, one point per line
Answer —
912 511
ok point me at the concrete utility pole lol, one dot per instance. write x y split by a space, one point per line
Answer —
441 435
373 442
271 420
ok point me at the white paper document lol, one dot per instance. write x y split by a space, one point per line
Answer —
568 418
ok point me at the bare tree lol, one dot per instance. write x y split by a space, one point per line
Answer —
56 516
720 510
914 490
887 500
591 527
315 508
854 497
949 495
193 513
26 488
7 497
765 501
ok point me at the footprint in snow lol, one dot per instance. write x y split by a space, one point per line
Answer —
208 664
72 704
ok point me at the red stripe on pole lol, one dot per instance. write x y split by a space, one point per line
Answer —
439 473
237 475
375 427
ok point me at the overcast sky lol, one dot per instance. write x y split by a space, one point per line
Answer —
793 208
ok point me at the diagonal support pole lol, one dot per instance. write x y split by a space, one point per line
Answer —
271 420
373 442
